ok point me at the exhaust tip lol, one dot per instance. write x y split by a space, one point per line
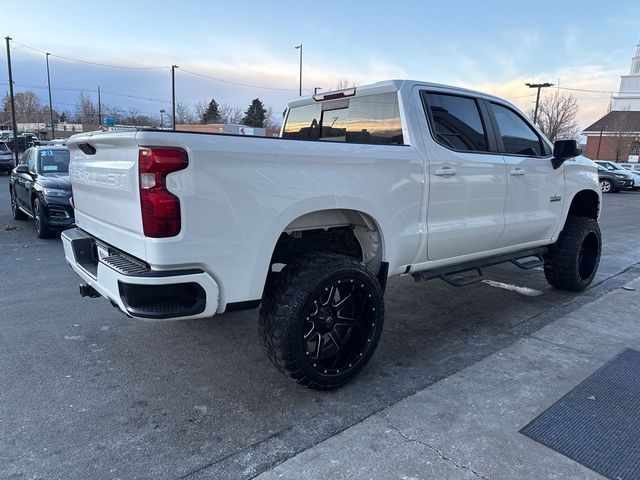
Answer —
87 290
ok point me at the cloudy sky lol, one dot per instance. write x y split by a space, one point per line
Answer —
247 48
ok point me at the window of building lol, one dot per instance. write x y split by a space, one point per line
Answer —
373 119
635 148
518 137
456 122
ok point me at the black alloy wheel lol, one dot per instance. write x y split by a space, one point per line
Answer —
321 319
15 210
339 325
42 231
572 262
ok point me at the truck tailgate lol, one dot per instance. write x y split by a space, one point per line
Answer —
104 175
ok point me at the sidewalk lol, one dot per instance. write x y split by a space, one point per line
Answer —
467 425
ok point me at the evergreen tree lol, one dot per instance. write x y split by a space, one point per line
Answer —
63 117
255 115
211 114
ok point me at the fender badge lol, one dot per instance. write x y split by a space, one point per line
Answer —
555 198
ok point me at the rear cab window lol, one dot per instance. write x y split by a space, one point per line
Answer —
456 122
370 119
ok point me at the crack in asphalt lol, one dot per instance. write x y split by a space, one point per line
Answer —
558 345
434 449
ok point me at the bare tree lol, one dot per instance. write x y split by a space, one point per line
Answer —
618 135
270 121
346 83
230 114
183 114
86 110
28 107
557 116
199 109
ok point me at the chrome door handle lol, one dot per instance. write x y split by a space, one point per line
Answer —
445 172
517 171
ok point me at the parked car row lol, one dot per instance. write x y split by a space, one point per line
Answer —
614 177
40 188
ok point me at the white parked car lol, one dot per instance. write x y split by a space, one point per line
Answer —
634 167
395 178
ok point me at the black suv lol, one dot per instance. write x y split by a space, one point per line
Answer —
40 188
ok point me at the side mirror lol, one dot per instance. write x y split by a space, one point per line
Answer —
564 150
22 169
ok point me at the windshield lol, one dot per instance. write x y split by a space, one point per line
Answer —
3 147
54 161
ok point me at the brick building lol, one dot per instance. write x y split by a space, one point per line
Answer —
616 137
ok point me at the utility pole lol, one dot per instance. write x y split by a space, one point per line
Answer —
99 108
299 47
173 95
602 127
13 104
162 110
50 104
538 86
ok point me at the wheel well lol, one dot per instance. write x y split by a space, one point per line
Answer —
347 232
585 203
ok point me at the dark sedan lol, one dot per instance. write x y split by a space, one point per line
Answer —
40 189
614 181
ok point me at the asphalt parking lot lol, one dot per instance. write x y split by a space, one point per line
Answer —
88 393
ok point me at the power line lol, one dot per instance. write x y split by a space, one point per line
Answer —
87 62
21 45
588 91
87 89
522 96
236 83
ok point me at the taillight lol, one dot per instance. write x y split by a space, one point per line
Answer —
160 208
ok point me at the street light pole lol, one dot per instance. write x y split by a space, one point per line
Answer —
538 86
162 110
99 108
173 95
50 104
13 104
300 48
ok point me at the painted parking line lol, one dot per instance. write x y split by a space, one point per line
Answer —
529 292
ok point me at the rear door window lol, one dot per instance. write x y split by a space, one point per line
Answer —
456 122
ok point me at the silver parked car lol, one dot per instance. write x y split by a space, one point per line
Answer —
6 158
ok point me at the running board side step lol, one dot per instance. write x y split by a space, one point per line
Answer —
524 264
468 273
462 279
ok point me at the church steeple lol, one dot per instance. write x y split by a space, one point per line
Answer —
628 98
635 62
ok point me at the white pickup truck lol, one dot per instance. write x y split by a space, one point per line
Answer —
395 178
